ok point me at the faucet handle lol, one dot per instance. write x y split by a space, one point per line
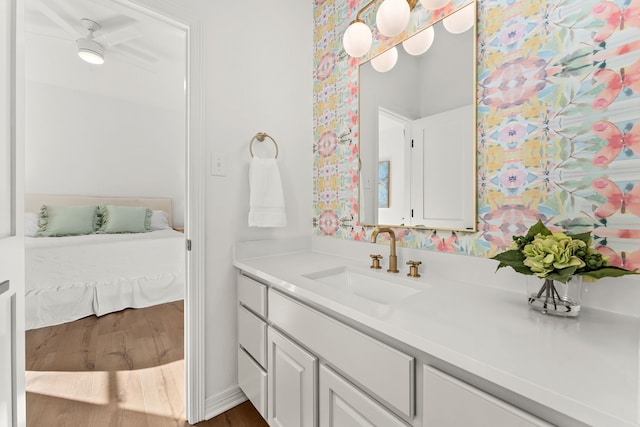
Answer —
375 261
413 268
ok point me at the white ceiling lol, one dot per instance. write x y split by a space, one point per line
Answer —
145 59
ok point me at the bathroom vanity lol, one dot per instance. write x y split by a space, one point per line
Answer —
326 341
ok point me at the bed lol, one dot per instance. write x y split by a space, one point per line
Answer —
71 277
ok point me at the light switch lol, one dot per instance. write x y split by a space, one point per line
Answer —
218 164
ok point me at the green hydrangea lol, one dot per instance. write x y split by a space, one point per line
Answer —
557 256
548 253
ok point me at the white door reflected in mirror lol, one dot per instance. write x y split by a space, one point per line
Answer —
417 137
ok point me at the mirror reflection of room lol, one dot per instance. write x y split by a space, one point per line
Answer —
426 99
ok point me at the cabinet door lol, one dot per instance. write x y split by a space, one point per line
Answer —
343 405
292 383
449 402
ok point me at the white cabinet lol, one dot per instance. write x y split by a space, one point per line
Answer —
252 342
448 402
344 405
388 374
292 383
361 380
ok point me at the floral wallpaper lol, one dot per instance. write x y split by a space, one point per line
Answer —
558 128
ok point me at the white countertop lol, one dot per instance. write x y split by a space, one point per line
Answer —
586 368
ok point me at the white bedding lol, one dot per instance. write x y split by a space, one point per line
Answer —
73 277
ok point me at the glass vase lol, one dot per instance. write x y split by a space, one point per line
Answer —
553 297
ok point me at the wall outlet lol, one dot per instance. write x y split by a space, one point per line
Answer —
218 164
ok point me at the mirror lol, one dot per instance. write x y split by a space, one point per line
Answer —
418 136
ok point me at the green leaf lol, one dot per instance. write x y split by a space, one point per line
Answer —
509 256
538 228
513 258
520 268
562 275
608 272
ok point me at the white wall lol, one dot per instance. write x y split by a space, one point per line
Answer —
446 72
259 79
87 144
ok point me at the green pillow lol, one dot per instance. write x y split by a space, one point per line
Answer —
57 221
124 219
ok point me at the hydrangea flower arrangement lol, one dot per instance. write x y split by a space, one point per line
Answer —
557 256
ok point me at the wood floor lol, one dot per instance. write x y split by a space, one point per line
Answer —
123 369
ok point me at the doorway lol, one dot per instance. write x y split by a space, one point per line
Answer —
194 201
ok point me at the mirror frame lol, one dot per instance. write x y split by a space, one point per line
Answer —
475 126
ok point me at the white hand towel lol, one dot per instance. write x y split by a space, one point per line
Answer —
266 198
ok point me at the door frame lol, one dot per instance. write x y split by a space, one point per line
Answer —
174 13
13 110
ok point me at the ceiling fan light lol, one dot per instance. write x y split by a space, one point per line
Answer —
460 21
392 17
386 61
357 39
90 51
420 43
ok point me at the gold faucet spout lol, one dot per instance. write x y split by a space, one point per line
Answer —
393 259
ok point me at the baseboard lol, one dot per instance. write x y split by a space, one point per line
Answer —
221 402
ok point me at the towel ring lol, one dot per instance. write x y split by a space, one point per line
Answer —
260 136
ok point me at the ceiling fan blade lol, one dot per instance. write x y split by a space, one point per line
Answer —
116 23
137 53
124 34
57 17
130 59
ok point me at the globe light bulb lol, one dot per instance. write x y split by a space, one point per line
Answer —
460 21
433 4
357 39
386 61
420 43
392 17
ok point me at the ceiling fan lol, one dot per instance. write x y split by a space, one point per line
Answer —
88 49
114 34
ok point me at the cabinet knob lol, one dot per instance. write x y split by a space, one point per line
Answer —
413 268
375 261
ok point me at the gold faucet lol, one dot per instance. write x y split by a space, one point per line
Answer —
393 258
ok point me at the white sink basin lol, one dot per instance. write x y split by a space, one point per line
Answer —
373 286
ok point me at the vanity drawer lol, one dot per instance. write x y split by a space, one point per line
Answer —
384 371
252 295
445 396
252 379
252 335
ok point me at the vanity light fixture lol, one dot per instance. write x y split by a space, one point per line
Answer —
419 43
385 61
88 49
392 18
460 21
